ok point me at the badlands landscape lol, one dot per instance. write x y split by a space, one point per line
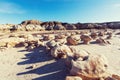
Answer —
36 50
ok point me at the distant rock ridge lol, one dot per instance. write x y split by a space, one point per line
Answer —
29 25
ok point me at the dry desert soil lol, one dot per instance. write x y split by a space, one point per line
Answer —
19 64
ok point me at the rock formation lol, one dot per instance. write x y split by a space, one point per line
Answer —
73 78
55 25
48 37
34 22
93 35
102 41
92 68
86 39
61 51
73 40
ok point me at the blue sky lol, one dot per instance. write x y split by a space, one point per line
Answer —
73 11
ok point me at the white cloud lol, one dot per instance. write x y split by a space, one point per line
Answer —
10 8
117 5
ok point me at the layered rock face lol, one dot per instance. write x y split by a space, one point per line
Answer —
34 22
31 25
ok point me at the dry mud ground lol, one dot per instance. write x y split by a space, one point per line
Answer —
18 64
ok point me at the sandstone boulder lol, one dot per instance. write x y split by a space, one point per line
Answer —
116 76
29 27
51 44
109 35
93 35
10 42
92 68
39 28
61 41
21 44
5 27
73 33
67 34
60 36
73 40
102 41
73 78
101 33
84 32
61 51
86 39
48 37
110 78
29 37
18 27
2 48
79 53
31 47
2 43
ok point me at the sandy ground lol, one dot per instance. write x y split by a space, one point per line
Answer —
18 64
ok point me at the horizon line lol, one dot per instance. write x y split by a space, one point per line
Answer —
65 21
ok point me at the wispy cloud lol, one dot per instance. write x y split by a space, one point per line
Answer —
10 8
116 5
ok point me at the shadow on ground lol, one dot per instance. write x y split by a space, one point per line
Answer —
37 55
50 71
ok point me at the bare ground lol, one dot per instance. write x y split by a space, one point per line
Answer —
19 64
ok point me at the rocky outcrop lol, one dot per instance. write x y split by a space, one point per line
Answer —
5 27
34 22
69 26
55 25
113 25
31 27
18 27
78 26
